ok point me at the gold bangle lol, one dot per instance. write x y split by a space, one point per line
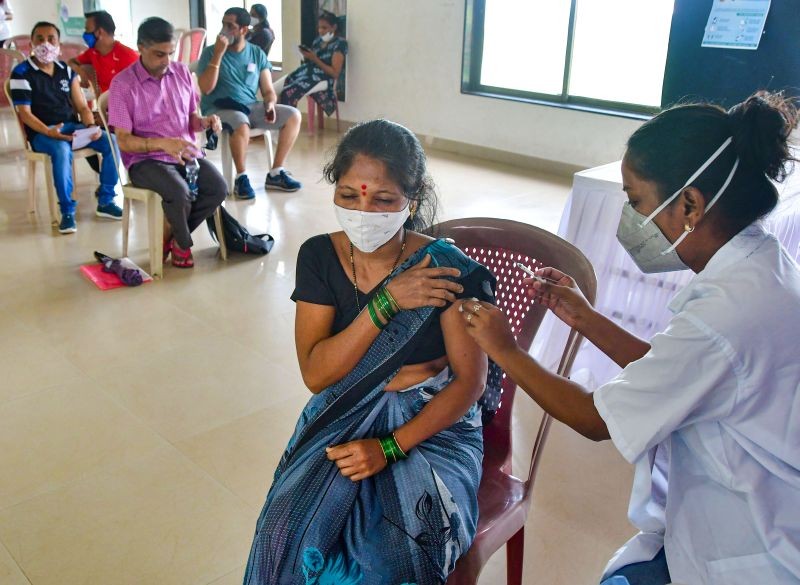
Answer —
147 145
212 65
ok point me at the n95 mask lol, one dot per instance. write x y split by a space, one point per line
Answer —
642 238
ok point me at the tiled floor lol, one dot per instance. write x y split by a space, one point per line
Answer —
139 428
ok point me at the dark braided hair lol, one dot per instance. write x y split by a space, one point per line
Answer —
669 148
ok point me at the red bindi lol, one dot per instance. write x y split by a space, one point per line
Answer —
364 190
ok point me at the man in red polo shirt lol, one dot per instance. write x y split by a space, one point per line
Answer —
107 56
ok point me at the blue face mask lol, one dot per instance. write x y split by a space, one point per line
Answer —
89 39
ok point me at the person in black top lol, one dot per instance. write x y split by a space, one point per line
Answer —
395 378
48 98
261 33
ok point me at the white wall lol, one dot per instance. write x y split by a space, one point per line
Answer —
174 11
405 64
28 12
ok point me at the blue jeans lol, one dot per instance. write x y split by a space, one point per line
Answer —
653 572
60 152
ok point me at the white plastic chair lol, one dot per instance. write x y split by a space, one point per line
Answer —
39 157
153 210
227 158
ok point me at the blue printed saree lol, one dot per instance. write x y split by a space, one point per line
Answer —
409 523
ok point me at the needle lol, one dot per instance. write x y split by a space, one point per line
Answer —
530 273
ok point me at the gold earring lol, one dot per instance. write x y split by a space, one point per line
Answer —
689 228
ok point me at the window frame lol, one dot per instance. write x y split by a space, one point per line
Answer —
472 61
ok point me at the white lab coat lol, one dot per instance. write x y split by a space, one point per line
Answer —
711 419
5 28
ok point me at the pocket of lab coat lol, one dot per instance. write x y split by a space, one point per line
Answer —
743 570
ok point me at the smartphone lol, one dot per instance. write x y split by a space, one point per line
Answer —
303 48
530 273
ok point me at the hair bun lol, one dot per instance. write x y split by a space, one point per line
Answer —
761 127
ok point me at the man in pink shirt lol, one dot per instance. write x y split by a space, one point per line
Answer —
153 109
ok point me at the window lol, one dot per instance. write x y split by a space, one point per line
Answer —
215 9
601 54
120 11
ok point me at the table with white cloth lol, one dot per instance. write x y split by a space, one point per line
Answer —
636 301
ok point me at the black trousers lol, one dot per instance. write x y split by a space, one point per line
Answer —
169 181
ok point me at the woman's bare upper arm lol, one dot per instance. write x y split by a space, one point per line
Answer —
467 360
312 324
337 62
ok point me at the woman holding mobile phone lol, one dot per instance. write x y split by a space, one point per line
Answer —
707 411
323 64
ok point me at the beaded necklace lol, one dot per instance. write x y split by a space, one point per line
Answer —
353 266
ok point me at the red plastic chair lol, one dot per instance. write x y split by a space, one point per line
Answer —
190 45
21 43
504 499
71 51
320 114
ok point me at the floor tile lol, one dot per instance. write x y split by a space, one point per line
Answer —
156 520
9 571
243 454
60 435
197 385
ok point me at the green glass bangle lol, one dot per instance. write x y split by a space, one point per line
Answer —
374 316
391 300
383 295
382 309
399 448
387 450
391 449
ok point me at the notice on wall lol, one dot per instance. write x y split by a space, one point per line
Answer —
71 26
736 24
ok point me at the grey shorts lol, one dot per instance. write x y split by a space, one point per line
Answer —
232 119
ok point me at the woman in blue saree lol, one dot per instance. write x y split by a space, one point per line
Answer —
378 484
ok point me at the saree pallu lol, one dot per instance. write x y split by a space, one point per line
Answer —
409 523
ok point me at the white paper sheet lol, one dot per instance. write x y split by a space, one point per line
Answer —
83 136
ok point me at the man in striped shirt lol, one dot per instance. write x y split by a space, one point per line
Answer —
47 96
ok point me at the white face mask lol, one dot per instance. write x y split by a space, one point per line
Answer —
644 241
254 21
231 38
327 37
369 230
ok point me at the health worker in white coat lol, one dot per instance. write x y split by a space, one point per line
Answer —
709 410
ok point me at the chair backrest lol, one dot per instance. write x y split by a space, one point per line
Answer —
498 244
102 109
21 43
8 60
191 44
71 51
24 135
